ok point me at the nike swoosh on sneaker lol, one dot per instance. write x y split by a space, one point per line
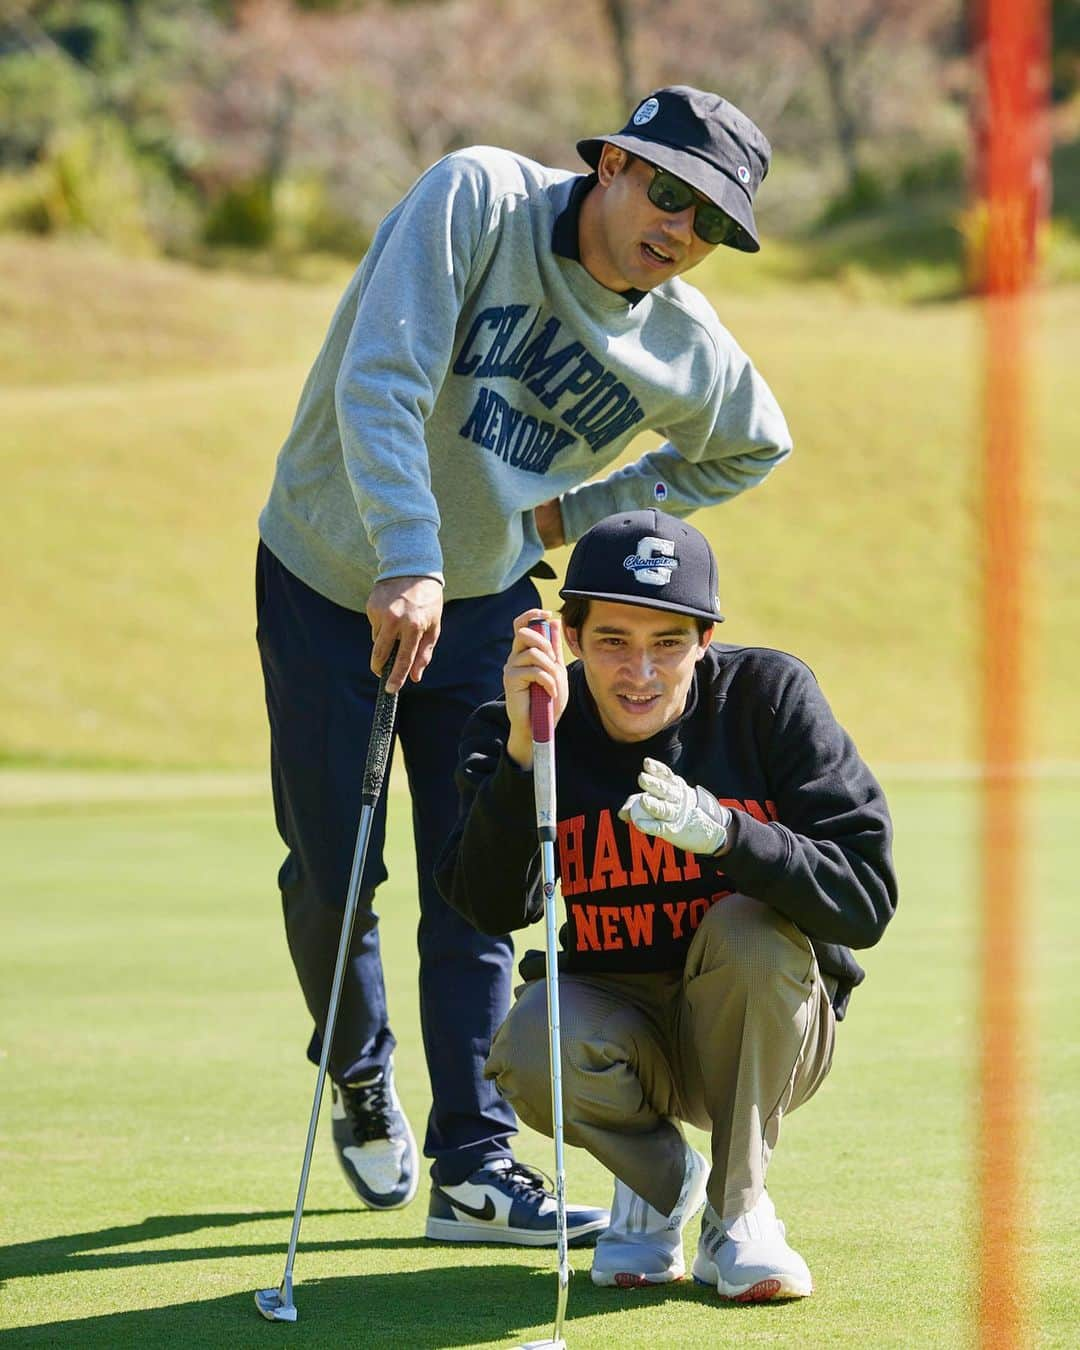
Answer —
485 1212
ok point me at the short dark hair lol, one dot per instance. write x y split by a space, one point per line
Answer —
575 610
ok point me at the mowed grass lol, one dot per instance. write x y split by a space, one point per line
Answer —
156 1098
143 404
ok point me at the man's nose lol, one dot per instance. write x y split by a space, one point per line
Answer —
680 226
639 665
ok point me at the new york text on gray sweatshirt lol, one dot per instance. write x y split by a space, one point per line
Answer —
474 369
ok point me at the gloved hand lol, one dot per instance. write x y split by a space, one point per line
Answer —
669 808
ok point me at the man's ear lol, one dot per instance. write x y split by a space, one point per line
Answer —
704 640
570 636
611 163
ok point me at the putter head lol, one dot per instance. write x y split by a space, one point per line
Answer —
276 1305
560 1344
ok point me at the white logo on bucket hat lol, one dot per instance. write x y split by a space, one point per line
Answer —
744 173
646 112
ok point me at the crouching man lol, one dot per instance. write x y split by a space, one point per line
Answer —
721 846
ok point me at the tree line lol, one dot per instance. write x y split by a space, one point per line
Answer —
177 124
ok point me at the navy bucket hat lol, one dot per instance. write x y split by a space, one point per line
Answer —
702 139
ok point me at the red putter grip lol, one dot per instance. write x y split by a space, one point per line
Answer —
541 713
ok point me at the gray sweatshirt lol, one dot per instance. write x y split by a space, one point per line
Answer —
474 369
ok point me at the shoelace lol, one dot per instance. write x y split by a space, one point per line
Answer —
369 1110
520 1178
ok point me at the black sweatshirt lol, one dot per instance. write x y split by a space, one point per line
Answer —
810 832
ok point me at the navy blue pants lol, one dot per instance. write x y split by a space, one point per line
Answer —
320 697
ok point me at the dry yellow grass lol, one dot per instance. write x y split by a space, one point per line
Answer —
143 404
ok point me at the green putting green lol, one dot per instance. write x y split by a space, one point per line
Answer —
156 1100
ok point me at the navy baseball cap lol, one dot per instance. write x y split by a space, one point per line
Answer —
646 558
702 139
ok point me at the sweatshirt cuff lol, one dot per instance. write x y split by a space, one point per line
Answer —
584 506
409 548
513 787
757 853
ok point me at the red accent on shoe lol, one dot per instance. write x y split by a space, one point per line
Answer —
759 1293
626 1279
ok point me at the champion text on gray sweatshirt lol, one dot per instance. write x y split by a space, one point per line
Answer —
474 369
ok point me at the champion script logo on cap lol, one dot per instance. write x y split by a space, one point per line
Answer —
635 563
654 561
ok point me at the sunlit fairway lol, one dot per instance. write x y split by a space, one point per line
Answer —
156 1098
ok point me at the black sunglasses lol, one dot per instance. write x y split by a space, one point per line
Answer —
672 195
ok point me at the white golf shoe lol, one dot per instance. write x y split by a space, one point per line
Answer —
748 1259
641 1246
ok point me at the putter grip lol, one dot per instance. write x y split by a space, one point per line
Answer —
542 720
541 713
382 735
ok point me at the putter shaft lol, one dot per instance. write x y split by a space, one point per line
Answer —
542 720
283 1309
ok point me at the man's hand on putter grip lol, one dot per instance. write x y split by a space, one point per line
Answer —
532 660
406 610
669 808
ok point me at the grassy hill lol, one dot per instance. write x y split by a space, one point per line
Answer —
143 403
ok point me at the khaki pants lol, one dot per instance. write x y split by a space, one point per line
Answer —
731 1044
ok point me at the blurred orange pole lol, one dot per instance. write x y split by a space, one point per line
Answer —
1012 183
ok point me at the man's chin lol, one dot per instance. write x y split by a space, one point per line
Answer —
647 281
637 278
635 729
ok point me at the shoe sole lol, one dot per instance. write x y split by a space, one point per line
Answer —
628 1279
454 1230
764 1291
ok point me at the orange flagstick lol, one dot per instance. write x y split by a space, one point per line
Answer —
1012 164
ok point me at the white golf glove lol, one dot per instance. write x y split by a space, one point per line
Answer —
669 808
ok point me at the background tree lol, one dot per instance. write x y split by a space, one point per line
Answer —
1065 49
318 113
620 18
852 42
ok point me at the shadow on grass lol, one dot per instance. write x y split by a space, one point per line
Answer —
422 1309
415 1310
86 1251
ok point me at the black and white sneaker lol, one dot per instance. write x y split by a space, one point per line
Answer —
507 1202
374 1143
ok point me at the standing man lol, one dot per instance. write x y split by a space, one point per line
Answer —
511 329
721 845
